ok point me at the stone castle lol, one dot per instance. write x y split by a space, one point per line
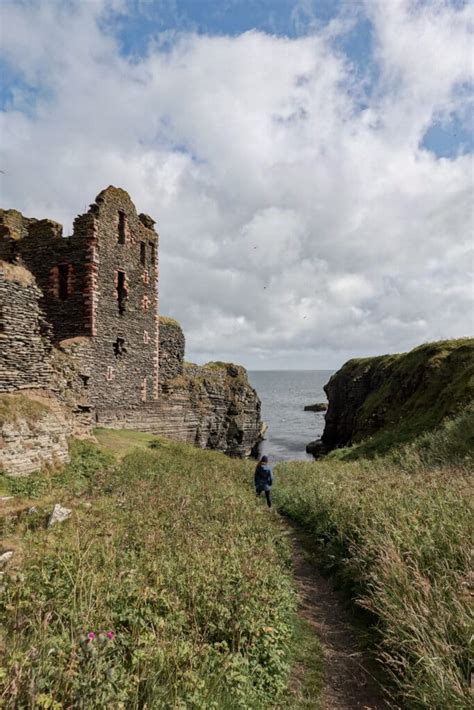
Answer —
80 330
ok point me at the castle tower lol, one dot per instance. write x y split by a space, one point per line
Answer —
99 291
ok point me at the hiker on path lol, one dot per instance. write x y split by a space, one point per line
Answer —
264 479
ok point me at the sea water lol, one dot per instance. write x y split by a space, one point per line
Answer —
284 394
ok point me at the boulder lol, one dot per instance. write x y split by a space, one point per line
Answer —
317 448
58 515
5 557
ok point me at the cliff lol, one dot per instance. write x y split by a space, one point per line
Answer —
212 406
393 398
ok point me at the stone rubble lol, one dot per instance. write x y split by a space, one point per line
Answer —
59 515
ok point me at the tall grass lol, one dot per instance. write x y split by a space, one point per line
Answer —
168 588
397 532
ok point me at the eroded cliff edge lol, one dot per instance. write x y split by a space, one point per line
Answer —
391 399
211 406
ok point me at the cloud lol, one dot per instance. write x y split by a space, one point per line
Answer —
297 228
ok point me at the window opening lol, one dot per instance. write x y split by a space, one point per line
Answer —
122 223
121 292
119 347
63 275
85 380
152 254
143 253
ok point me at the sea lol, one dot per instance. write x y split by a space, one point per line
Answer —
284 394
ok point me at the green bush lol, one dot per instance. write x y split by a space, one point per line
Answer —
168 587
397 533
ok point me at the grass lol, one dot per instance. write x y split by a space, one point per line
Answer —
119 442
166 320
17 273
168 554
19 406
396 531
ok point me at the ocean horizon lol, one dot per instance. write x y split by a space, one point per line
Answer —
284 394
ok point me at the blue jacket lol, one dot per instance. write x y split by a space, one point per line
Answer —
263 477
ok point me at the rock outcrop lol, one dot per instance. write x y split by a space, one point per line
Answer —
211 406
33 432
401 395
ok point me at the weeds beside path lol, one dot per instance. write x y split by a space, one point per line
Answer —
348 678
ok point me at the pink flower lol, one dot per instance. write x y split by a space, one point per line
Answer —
91 636
110 635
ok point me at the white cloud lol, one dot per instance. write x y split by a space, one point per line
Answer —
296 230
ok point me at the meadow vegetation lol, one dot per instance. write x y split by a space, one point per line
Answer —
168 587
396 531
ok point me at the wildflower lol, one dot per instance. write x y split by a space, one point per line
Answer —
110 635
91 636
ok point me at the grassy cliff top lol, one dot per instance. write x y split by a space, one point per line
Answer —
165 320
410 393
16 406
17 273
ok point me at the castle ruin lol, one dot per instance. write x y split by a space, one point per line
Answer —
79 320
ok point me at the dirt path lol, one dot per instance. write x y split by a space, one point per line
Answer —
348 681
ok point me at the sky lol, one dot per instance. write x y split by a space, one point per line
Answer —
308 162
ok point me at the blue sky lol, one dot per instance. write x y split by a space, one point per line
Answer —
308 162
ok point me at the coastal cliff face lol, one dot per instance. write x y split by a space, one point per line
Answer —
398 396
211 406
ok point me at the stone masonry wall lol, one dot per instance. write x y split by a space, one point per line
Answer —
172 344
111 362
60 266
24 345
100 283
125 317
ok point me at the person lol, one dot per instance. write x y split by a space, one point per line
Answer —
264 479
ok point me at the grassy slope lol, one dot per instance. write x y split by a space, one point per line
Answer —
397 532
168 549
419 389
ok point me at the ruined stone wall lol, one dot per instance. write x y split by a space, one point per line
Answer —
61 268
24 344
100 283
172 344
13 227
73 366
125 318
99 293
